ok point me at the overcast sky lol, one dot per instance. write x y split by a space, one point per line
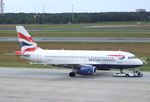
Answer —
61 6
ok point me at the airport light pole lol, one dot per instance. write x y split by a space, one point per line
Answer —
72 13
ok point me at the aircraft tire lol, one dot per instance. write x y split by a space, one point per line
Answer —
72 74
140 74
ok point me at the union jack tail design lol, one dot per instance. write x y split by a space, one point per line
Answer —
26 41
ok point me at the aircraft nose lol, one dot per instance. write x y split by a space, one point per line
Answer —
140 62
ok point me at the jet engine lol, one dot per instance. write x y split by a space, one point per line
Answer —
83 70
86 70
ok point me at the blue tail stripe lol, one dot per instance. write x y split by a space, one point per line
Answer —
24 44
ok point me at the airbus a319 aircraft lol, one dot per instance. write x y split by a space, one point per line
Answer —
83 62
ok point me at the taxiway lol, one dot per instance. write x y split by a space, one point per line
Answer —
57 39
54 85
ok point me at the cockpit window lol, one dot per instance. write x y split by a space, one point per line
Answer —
132 57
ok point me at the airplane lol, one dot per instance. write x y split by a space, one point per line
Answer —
83 62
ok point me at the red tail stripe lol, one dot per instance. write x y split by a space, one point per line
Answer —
18 52
30 49
24 37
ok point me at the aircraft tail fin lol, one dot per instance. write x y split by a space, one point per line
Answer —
25 40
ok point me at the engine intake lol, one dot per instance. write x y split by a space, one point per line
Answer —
86 70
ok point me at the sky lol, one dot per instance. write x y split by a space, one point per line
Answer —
63 6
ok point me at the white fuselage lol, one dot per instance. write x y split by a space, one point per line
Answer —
77 57
83 62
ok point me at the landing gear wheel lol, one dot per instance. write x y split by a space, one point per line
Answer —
140 74
72 74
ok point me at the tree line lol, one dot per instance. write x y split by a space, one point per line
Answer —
63 18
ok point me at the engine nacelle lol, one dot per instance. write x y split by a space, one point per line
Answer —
86 70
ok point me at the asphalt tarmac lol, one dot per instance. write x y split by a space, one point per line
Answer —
54 85
57 39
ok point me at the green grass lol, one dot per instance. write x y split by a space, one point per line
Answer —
91 34
109 29
145 68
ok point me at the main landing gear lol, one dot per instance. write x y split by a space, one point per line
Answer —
72 74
